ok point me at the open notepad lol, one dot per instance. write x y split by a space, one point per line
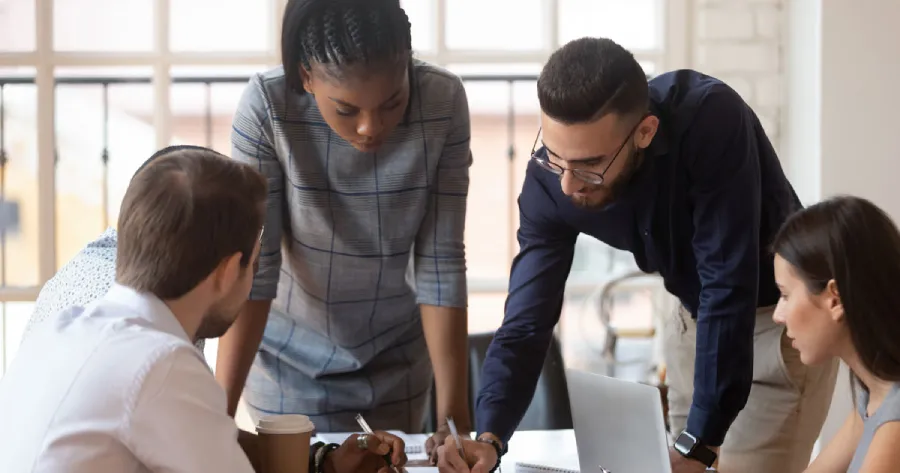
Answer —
415 443
523 467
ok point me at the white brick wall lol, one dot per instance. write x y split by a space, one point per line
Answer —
740 42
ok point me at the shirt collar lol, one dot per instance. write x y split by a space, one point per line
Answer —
148 307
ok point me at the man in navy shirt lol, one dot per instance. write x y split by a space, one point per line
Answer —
681 174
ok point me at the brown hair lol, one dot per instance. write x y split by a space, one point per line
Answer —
853 242
186 211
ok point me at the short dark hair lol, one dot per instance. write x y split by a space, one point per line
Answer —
341 34
589 78
852 241
185 212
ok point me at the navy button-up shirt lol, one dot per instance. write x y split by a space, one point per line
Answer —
701 210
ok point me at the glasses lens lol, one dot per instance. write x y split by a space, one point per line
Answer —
547 165
588 177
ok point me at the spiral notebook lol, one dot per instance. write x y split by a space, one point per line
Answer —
523 467
415 443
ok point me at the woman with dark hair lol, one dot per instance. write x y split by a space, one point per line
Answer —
837 265
366 151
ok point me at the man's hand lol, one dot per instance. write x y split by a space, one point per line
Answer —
681 464
349 457
480 457
438 439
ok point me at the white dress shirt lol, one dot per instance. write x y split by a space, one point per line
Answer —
115 386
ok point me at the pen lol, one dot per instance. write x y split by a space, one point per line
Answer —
368 430
455 433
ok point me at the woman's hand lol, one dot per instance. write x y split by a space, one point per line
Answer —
351 457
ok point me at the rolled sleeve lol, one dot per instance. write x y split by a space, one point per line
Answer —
252 142
440 254
537 281
725 196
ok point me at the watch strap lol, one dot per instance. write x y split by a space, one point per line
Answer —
703 454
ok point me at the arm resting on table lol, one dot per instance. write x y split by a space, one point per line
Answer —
440 267
537 281
446 333
725 197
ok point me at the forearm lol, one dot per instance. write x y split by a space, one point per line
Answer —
446 333
237 349
509 376
724 350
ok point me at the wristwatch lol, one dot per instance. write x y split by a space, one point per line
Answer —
690 447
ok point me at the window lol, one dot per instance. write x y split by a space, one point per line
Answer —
89 88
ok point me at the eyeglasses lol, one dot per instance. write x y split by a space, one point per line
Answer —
589 177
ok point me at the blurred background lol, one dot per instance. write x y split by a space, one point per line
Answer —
90 88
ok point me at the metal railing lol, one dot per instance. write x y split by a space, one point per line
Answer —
104 155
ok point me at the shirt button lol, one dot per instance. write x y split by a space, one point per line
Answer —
646 233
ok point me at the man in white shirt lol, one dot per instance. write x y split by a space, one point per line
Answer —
118 385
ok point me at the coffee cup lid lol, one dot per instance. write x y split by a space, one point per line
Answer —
284 424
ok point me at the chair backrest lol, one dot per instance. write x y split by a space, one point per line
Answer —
549 409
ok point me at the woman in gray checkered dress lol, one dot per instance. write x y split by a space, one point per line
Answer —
361 290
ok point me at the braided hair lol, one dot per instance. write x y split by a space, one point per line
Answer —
340 34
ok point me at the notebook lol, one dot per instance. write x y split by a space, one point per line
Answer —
522 467
415 443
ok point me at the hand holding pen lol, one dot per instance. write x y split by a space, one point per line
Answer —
364 441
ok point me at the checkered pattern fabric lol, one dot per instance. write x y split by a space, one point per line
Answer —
354 242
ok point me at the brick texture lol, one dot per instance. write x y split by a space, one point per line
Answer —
740 42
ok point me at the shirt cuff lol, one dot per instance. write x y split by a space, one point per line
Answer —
709 426
489 420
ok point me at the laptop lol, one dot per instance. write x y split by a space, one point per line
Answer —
619 425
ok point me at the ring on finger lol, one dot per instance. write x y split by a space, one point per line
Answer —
362 442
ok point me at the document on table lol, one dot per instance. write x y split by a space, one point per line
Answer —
415 443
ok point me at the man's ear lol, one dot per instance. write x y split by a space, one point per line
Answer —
227 273
646 130
833 299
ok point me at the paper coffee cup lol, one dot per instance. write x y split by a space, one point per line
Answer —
284 443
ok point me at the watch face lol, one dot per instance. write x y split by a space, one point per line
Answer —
685 443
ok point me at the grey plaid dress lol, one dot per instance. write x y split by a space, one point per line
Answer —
354 242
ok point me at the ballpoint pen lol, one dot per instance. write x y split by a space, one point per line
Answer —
368 430
455 434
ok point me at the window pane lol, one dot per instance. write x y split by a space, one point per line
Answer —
487 255
18 181
473 25
635 24
81 175
17 25
14 317
485 311
228 25
421 16
636 311
103 25
201 113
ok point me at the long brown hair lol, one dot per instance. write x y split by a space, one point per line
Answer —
855 243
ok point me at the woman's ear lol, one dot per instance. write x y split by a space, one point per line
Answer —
833 299
306 78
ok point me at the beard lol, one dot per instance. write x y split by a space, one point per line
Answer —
599 196
217 321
